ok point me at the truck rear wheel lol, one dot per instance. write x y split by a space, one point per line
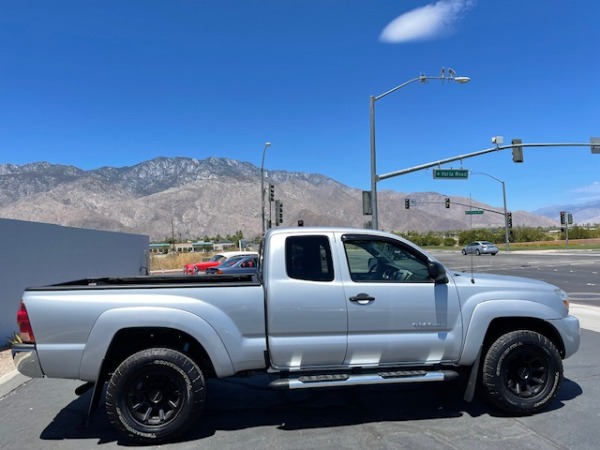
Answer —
155 395
522 372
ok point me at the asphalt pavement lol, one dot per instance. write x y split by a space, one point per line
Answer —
45 414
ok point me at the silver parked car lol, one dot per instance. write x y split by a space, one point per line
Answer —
235 266
480 248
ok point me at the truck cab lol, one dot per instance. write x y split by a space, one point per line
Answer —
370 300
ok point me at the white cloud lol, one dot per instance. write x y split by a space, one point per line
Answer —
427 22
588 192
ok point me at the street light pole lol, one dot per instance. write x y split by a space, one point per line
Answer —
374 178
262 187
505 210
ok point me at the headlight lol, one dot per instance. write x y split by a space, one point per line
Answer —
564 297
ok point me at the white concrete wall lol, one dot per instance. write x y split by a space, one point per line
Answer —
37 254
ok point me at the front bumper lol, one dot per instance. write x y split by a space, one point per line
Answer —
570 333
26 360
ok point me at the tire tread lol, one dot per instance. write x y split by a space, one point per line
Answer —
492 383
113 391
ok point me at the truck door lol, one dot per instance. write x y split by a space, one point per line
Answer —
397 314
307 322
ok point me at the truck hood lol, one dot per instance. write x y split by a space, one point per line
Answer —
499 281
477 288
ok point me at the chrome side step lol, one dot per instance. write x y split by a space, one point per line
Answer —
347 379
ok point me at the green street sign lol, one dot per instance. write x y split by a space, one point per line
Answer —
451 174
474 211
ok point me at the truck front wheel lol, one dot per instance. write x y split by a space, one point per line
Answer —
522 372
155 395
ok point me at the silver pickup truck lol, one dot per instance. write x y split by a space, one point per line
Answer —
329 307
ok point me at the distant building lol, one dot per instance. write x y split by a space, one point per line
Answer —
222 246
186 247
159 248
202 246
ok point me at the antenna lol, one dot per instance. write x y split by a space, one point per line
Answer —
471 226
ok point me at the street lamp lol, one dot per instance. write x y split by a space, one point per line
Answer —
262 187
504 199
374 178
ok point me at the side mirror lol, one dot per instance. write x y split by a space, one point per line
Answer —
437 272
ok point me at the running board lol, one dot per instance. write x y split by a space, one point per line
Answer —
345 379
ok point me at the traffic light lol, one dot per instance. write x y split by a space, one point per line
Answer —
570 219
447 202
517 151
271 192
407 203
278 212
509 219
367 206
562 217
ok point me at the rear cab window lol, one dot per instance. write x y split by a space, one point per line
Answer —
309 258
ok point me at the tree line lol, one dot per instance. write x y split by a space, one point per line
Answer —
497 235
453 238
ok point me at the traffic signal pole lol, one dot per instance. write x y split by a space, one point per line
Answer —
594 144
429 165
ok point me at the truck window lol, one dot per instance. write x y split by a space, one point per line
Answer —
374 260
309 258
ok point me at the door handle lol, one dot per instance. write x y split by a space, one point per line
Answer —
362 299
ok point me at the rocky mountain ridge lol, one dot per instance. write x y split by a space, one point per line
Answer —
583 213
188 198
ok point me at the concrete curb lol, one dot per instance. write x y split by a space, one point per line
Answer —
11 381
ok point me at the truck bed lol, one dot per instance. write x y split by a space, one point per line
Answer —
152 281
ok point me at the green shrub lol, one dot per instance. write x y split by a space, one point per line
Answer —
449 242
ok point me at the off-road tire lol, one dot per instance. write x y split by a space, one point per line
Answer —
522 372
155 395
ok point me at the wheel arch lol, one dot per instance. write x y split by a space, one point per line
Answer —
503 325
132 340
491 319
499 327
122 331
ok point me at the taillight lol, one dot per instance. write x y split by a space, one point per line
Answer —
25 330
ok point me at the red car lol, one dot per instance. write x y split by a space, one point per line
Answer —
214 261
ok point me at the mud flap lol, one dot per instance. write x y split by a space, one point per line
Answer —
472 383
96 394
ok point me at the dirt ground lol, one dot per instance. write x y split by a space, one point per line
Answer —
6 363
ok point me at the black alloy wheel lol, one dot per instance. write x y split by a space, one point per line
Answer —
522 372
155 395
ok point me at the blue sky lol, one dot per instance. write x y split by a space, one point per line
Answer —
96 83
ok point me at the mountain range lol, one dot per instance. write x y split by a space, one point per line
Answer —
186 198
